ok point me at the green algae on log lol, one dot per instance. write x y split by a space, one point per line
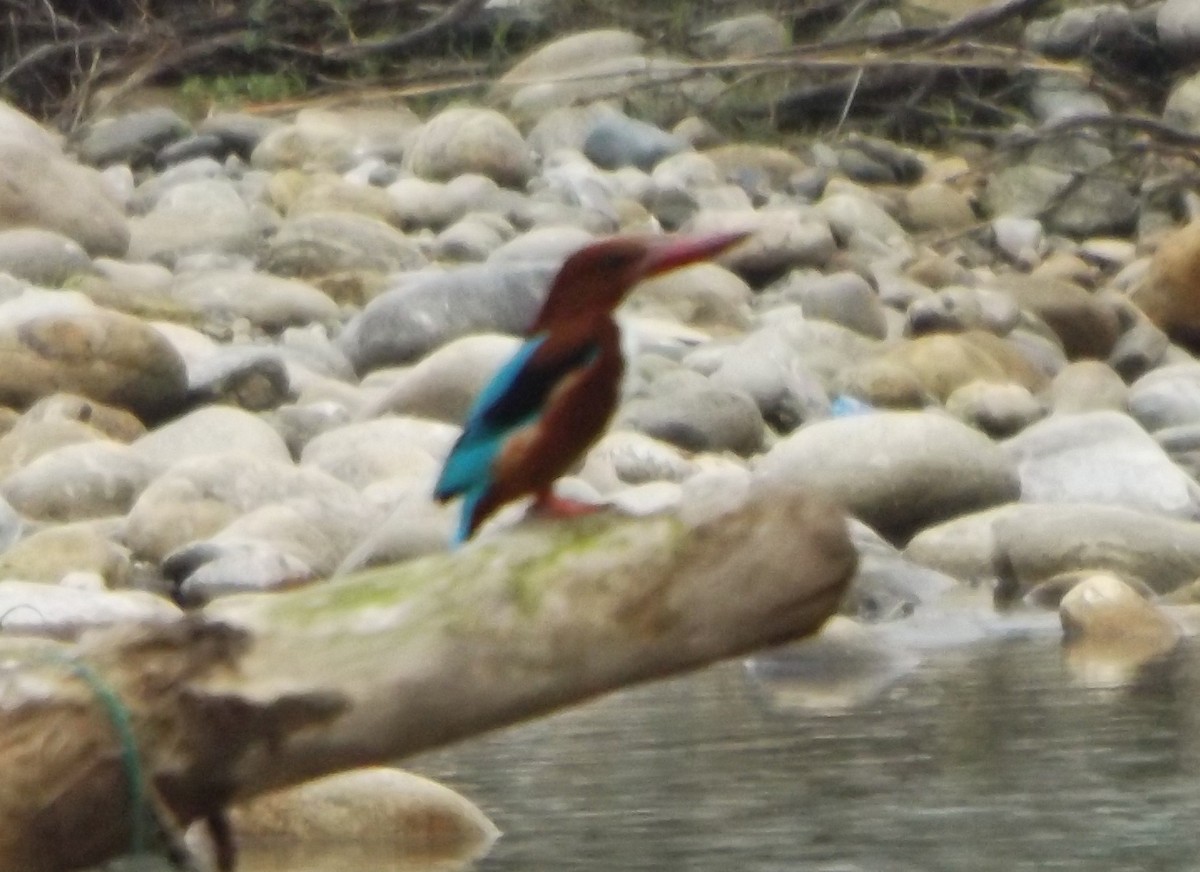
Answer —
267 690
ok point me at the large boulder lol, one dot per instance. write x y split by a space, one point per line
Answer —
1041 541
897 471
1100 457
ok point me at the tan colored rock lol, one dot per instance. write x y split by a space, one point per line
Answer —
384 808
30 438
325 139
1169 293
1111 631
50 554
44 189
936 206
105 355
887 384
465 139
297 193
775 163
113 422
943 362
704 295
1085 323
94 479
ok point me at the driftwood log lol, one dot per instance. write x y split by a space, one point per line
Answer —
262 691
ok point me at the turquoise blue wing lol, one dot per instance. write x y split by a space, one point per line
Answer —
514 397
491 419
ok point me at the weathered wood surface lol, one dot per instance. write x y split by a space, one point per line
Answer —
268 690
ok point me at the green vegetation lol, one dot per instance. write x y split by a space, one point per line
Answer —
199 93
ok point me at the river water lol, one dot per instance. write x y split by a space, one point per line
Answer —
992 755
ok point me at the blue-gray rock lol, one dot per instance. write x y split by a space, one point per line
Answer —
702 418
1100 457
427 309
133 138
564 128
844 298
616 140
1167 397
42 257
896 471
1097 206
198 217
1041 541
772 373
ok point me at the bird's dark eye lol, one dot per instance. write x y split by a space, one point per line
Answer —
613 261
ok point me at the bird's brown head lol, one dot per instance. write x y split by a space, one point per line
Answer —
595 279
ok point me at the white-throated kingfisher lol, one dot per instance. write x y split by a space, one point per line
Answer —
545 407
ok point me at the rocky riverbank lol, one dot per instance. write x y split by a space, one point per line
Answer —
236 351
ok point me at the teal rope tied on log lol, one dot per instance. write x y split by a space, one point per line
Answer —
142 824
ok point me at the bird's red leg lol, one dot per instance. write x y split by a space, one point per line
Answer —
548 504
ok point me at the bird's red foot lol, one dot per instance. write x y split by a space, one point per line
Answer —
550 505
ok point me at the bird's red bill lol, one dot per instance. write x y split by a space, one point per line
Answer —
675 251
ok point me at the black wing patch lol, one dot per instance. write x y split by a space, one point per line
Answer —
527 393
